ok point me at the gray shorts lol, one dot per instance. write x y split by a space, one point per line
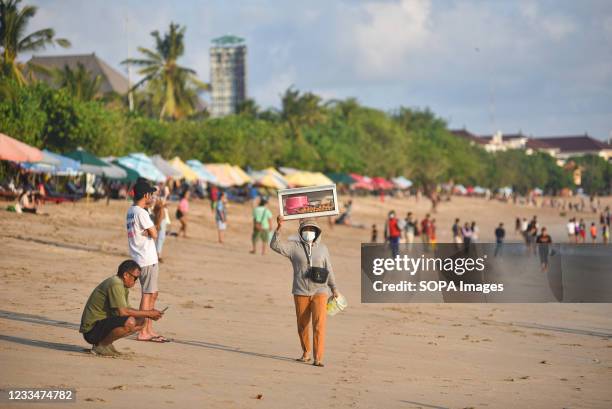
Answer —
148 278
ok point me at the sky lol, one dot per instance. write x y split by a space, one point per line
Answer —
543 68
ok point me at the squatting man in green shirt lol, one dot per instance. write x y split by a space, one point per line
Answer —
108 317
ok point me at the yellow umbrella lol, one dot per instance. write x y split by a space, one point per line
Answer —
322 179
222 173
182 167
301 179
242 174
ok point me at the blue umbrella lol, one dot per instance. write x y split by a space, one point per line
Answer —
142 164
203 173
62 165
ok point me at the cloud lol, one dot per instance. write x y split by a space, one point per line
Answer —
381 35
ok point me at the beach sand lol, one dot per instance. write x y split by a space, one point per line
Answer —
232 319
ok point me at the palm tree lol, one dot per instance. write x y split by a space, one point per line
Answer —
172 87
301 110
13 23
79 82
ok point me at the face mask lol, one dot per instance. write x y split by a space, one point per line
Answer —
308 235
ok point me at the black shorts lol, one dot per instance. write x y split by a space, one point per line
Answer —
102 328
179 214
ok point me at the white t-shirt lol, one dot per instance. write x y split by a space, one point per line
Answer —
142 247
571 228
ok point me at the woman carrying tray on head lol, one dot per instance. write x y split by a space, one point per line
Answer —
312 276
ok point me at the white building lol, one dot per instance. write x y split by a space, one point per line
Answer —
227 75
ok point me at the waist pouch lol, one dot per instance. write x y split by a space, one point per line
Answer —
318 274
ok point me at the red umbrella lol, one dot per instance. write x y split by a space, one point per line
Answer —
362 182
382 183
13 150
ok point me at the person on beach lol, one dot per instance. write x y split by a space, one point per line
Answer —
142 236
262 218
605 233
424 229
475 232
393 232
571 231
221 215
182 211
410 228
456 229
466 232
543 242
582 226
374 237
593 232
161 219
107 315
312 276
500 234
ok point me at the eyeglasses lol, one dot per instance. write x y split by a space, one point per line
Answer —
133 276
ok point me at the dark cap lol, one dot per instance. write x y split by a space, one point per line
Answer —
141 188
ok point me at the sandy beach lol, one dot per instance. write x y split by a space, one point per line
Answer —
232 320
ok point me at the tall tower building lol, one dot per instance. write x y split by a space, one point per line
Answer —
227 75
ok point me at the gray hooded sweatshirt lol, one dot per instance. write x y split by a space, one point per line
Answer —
297 252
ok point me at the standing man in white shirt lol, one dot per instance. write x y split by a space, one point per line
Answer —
141 242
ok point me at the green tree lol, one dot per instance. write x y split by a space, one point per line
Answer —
79 82
14 41
173 89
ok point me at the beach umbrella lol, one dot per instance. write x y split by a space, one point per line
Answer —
89 162
241 174
362 182
382 183
165 167
302 178
187 173
401 182
228 175
222 174
17 151
62 165
343 178
201 170
141 164
268 178
288 171
113 171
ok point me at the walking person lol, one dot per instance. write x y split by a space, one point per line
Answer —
410 228
262 217
312 276
605 233
374 237
475 232
500 234
424 229
466 232
221 215
571 231
593 232
142 235
393 233
107 315
182 212
543 242
456 230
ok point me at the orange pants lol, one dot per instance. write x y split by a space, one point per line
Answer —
305 307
